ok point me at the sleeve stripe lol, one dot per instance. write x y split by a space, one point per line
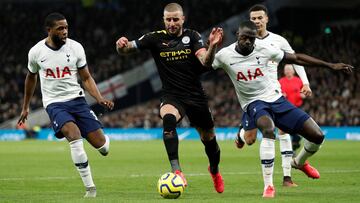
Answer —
81 67
134 44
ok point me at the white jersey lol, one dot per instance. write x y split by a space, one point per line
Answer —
250 74
58 70
281 43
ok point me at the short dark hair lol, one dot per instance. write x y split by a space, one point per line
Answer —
248 24
52 18
258 7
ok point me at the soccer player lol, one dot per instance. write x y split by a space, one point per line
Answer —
291 86
180 57
246 63
58 60
258 15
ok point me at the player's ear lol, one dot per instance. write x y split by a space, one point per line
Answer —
47 29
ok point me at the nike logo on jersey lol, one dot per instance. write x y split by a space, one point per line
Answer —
42 60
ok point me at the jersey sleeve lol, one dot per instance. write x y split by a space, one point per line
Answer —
198 41
276 54
218 61
32 61
146 41
81 61
285 46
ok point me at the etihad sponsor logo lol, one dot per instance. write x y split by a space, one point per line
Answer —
175 55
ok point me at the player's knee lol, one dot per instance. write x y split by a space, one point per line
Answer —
104 149
250 138
206 134
268 132
71 132
169 123
319 137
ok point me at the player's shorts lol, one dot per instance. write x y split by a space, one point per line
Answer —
197 111
285 115
77 111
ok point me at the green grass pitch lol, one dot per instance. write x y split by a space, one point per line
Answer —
42 171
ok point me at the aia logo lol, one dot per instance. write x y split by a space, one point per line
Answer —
57 73
250 76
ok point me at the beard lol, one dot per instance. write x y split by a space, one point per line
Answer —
57 41
173 32
244 50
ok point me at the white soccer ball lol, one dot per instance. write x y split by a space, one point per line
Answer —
170 186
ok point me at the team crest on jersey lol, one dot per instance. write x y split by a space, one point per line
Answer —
257 58
185 39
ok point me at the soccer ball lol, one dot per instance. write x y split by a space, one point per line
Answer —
170 186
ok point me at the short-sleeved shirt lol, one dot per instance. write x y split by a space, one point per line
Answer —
279 42
176 61
292 87
58 70
250 74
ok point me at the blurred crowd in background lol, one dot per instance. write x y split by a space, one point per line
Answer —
335 100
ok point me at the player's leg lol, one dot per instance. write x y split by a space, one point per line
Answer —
267 152
90 128
212 151
247 132
99 141
294 120
200 117
79 156
64 126
286 157
314 137
170 114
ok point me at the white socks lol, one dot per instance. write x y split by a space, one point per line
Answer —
286 153
80 160
267 155
307 151
104 150
242 133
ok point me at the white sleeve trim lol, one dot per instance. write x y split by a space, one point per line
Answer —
134 44
300 70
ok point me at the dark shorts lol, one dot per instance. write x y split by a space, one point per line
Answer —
197 111
77 111
286 116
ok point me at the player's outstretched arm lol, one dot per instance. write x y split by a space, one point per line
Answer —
30 84
215 38
123 46
306 60
90 86
300 70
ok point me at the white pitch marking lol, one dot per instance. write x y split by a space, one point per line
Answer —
153 175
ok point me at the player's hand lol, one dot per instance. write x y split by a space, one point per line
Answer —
23 116
106 103
122 42
216 36
306 90
342 66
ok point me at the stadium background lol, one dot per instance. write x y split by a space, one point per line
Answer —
325 29
33 170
